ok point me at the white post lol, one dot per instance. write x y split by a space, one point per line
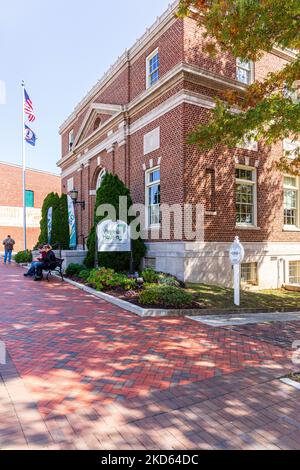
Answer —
237 255
24 168
2 353
237 284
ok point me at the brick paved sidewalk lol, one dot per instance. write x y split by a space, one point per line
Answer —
98 377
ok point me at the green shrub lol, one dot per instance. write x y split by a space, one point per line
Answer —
84 274
168 280
109 192
74 269
23 257
165 296
150 276
105 279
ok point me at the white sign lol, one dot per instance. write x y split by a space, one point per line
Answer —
237 252
237 255
113 236
13 217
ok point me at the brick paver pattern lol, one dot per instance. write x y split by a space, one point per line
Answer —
99 377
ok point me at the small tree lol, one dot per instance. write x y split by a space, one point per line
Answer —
63 223
111 189
60 226
52 200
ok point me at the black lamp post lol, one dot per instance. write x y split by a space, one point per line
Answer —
74 197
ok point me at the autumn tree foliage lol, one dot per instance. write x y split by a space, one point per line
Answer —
269 109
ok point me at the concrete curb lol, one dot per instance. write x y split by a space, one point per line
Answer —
291 383
141 312
158 313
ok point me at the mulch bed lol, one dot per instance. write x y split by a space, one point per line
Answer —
132 297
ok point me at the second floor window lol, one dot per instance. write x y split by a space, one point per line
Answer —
71 140
245 196
244 71
29 198
152 68
291 194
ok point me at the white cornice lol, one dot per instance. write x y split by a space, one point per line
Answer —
203 76
181 97
122 60
94 109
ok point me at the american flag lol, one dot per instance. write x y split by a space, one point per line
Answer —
28 108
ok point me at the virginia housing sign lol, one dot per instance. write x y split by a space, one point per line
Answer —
113 236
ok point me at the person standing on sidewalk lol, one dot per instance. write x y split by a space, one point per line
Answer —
8 249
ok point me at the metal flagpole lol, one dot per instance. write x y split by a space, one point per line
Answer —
24 167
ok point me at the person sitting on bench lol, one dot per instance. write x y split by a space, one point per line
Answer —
37 262
48 263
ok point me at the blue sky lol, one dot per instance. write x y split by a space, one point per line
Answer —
60 48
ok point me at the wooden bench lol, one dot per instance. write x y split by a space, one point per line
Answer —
58 268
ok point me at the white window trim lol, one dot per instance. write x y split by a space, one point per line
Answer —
147 186
292 228
252 72
99 178
250 183
288 271
148 81
290 146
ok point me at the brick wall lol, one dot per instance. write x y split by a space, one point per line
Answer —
187 175
11 195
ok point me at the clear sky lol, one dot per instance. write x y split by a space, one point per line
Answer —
60 48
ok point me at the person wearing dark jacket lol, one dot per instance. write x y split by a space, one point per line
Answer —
49 262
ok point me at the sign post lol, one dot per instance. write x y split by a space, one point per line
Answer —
237 255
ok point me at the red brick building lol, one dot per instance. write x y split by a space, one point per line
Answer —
38 185
134 123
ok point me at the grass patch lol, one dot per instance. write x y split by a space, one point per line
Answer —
217 297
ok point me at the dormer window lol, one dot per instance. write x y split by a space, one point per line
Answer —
71 140
97 124
152 68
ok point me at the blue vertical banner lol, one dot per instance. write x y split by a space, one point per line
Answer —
72 223
49 224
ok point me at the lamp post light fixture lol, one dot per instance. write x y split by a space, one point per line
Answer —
74 197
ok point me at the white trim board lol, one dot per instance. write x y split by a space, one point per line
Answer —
164 108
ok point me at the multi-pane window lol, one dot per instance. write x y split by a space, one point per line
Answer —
291 201
152 68
29 198
71 140
245 196
249 273
153 197
294 272
244 71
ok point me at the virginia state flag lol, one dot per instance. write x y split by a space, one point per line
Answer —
30 136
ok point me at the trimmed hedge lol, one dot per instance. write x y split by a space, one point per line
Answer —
165 296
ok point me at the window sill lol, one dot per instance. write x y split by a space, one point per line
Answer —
247 227
213 213
291 228
153 227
